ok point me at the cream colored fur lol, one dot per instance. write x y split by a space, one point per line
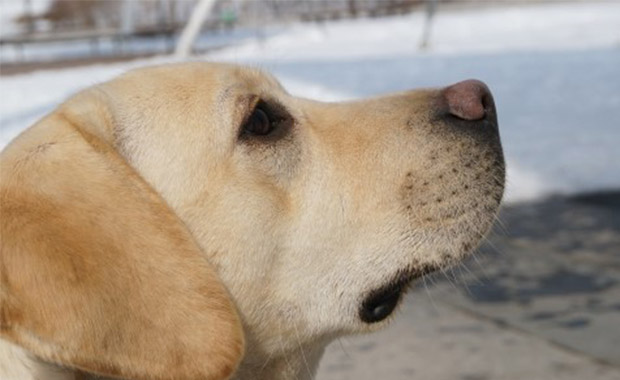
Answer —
143 237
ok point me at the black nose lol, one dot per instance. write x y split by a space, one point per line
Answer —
469 100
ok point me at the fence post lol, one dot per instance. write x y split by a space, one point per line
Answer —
29 16
431 7
199 14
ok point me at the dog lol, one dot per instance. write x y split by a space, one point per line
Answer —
195 221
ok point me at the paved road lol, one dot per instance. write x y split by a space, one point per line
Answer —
540 301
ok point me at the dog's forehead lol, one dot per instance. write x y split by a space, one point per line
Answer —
203 77
246 80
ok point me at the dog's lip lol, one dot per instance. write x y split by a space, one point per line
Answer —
405 277
381 302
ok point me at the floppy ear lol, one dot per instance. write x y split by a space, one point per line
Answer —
96 272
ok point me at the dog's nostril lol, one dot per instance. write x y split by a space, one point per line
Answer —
468 100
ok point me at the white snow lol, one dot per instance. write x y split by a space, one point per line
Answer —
541 27
554 70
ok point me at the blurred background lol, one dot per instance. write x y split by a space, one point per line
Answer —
541 298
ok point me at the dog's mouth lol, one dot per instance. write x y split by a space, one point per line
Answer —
381 302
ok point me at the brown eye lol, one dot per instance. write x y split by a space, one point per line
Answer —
258 123
268 122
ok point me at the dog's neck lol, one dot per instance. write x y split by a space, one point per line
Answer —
300 364
17 364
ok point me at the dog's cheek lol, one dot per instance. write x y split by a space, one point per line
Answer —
277 161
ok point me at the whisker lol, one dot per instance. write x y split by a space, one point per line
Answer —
444 272
500 223
428 293
303 354
262 368
343 349
465 284
475 275
288 363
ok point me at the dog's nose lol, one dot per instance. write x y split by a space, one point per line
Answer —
469 100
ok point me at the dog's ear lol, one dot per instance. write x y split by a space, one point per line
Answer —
97 273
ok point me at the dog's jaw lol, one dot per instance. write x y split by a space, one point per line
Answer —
300 364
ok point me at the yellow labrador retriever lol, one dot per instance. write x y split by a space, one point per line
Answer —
195 221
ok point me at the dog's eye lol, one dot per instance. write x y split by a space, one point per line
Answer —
269 121
258 123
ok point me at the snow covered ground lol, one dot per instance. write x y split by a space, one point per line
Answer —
554 70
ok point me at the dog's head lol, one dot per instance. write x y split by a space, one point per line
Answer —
313 217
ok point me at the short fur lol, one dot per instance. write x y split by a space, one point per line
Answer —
144 236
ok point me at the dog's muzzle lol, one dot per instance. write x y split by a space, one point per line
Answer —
456 195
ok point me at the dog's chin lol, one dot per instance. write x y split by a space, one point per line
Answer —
380 303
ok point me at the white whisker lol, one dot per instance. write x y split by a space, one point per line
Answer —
301 349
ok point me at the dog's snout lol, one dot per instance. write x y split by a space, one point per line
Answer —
469 100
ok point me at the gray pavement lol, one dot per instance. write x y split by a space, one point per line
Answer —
540 300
